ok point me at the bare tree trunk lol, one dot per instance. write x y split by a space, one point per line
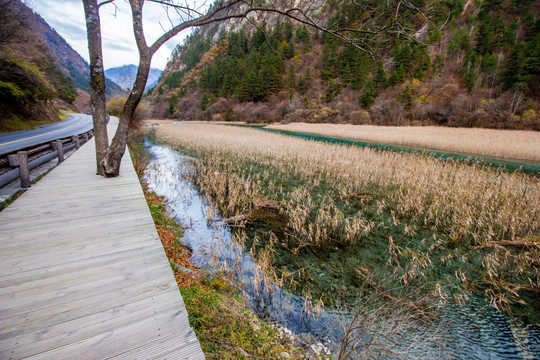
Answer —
118 144
97 81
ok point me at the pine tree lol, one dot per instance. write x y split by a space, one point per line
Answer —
288 30
333 90
423 62
271 79
380 79
290 50
367 97
204 101
397 76
406 97
512 74
291 78
308 79
469 78
346 76
532 57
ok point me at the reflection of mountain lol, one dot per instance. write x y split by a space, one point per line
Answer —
68 60
125 76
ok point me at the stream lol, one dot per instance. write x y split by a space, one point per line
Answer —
471 331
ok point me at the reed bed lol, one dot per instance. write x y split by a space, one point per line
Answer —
510 144
424 217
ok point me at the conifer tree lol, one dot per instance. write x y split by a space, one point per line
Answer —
397 76
291 78
367 97
346 76
380 79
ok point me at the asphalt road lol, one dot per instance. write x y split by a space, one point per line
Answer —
75 124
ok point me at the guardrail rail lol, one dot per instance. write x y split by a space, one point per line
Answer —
18 164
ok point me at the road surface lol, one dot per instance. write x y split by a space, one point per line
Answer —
75 124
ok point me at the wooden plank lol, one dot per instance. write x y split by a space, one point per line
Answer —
97 323
40 261
83 274
114 341
49 296
62 238
61 321
63 277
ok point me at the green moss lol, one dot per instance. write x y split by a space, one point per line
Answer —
228 329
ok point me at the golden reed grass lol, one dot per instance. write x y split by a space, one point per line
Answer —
471 210
457 198
511 144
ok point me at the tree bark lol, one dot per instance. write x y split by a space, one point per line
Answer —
117 148
97 82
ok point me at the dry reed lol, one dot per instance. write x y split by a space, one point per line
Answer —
485 213
511 144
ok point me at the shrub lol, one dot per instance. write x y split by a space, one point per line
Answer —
115 107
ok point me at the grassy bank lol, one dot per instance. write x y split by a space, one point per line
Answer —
224 324
355 214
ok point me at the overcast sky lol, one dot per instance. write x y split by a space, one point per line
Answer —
67 18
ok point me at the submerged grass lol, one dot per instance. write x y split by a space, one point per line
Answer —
352 213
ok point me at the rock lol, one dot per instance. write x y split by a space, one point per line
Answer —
185 243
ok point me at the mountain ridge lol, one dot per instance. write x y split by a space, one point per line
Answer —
67 59
474 64
125 76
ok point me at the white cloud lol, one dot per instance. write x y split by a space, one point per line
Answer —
67 18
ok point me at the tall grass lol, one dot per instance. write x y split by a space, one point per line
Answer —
512 144
462 226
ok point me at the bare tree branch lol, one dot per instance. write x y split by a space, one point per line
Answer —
362 37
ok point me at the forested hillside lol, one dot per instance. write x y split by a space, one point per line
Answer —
68 60
467 63
39 71
30 81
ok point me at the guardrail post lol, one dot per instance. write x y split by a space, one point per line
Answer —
60 150
85 135
21 160
75 139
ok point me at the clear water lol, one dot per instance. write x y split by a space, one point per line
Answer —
472 331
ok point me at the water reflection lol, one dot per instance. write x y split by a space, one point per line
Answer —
473 331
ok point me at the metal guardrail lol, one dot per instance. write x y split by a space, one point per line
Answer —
19 163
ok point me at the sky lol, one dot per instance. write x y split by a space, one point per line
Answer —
119 48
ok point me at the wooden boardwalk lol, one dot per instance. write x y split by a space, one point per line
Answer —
83 274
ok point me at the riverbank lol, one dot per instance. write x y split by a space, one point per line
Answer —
225 326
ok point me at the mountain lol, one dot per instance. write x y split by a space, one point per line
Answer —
125 76
70 62
32 86
474 64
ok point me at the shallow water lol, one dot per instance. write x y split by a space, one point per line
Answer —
473 331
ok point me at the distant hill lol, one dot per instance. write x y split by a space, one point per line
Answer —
125 76
68 60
